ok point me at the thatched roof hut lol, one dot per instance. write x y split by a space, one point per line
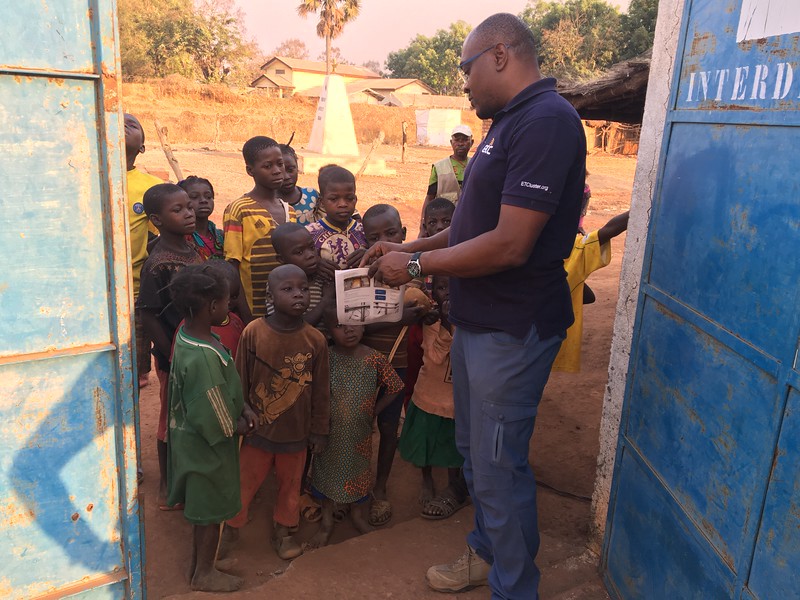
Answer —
617 95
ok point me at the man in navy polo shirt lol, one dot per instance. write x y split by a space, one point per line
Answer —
512 229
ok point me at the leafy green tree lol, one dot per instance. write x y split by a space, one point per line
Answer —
434 60
333 15
596 23
161 37
638 27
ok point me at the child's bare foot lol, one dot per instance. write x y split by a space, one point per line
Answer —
325 530
226 564
228 539
359 517
215 581
319 539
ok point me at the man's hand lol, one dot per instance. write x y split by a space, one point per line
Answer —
326 269
378 250
354 258
317 443
391 268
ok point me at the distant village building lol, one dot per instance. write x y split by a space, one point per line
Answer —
284 77
288 76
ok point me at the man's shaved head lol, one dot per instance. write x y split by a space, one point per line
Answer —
507 29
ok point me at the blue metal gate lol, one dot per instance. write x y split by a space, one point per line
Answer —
69 516
706 494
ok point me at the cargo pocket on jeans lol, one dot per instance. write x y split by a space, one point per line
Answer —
505 433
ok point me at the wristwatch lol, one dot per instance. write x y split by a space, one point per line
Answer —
414 268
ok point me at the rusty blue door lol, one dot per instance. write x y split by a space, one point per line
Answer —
69 517
706 493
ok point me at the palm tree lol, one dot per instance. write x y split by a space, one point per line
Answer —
333 14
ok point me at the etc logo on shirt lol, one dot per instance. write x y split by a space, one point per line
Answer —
487 149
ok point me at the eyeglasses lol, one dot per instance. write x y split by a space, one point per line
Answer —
461 65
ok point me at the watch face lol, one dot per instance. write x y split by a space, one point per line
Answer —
414 269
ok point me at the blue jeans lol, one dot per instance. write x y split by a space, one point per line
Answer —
497 384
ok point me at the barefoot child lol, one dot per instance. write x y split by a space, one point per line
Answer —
304 201
249 221
207 239
428 438
283 363
590 253
342 472
207 414
382 224
170 210
338 237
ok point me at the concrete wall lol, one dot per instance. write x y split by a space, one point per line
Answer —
658 90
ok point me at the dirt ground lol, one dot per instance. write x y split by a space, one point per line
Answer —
565 444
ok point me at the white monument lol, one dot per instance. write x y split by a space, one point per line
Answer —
333 137
333 132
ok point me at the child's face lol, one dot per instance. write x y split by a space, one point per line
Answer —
134 137
220 309
267 170
437 220
347 336
384 228
291 295
233 297
202 199
176 216
339 202
290 179
441 290
298 249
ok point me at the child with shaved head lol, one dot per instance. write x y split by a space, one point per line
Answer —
283 364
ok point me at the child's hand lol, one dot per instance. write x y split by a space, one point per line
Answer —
317 443
328 293
431 317
249 420
326 268
412 314
354 258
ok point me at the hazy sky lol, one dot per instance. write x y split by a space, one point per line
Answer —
382 26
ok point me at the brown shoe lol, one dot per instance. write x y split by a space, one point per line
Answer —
467 572
285 545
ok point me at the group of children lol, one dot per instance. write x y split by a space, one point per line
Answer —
256 375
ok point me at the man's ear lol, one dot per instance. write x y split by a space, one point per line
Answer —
155 220
404 234
280 259
500 56
141 149
248 169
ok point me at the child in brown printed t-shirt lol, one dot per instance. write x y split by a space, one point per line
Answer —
283 364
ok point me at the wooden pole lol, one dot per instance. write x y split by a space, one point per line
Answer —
378 140
405 140
173 162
